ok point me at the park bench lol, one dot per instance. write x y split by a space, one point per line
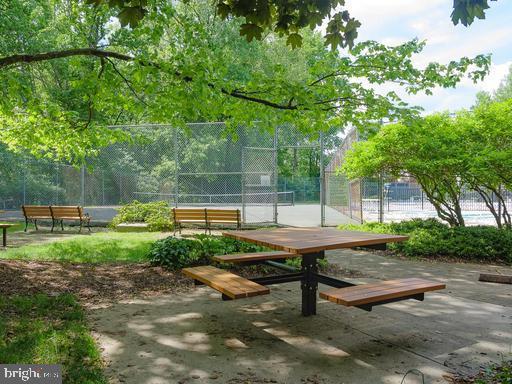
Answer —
366 296
36 212
205 216
73 212
230 285
253 257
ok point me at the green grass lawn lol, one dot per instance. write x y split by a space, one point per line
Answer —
49 330
95 248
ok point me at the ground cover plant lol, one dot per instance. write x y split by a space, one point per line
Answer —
177 253
156 214
432 239
95 248
41 329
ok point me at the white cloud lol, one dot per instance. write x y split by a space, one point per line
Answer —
495 77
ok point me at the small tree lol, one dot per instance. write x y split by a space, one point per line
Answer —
428 149
487 134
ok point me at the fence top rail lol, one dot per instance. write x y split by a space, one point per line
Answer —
212 194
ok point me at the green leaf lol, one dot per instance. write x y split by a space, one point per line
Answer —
251 31
294 40
131 16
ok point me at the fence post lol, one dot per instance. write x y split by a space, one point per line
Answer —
25 183
322 181
102 187
243 184
381 199
176 166
82 185
274 171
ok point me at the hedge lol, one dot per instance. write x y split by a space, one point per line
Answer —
433 239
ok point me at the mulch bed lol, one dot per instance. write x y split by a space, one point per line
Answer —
105 283
93 284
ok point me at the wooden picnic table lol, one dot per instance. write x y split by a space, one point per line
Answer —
4 233
311 244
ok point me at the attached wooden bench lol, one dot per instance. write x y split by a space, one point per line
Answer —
205 216
253 257
61 213
368 295
230 285
36 212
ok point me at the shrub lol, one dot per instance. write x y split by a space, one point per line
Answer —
176 253
430 238
157 215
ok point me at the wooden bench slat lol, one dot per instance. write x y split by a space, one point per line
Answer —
231 285
377 292
256 256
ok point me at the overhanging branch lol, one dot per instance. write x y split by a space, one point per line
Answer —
103 54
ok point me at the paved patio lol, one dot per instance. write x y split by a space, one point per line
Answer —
196 337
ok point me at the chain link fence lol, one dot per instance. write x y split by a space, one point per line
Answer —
386 199
271 176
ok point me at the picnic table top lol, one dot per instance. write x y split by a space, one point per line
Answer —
5 225
310 240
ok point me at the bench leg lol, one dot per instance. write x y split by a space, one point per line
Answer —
309 284
53 224
26 225
89 225
35 223
62 225
81 224
4 237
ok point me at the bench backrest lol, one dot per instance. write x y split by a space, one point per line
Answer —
189 214
38 211
62 211
223 215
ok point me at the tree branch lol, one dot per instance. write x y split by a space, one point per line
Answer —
39 57
16 59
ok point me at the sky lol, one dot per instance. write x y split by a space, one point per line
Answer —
396 21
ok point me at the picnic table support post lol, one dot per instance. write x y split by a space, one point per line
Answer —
309 283
4 236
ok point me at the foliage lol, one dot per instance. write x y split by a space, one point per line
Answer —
103 247
296 262
286 17
157 215
496 374
446 154
41 329
503 93
181 53
429 149
176 253
432 239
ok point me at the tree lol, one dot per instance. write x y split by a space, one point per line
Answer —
446 155
486 133
286 17
184 64
427 149
503 93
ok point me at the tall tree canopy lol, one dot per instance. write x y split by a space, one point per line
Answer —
68 69
285 17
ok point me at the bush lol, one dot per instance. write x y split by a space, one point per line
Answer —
177 253
430 238
157 215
